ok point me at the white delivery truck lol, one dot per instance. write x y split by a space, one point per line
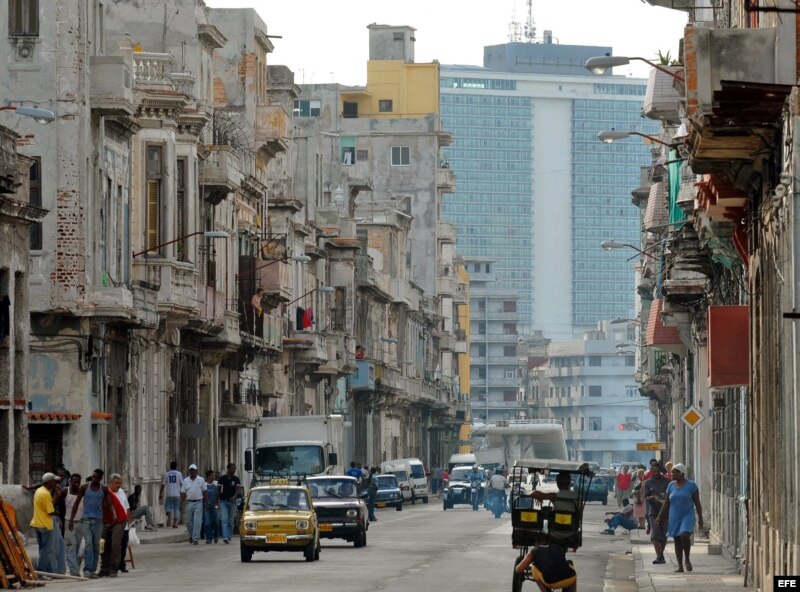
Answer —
295 446
491 458
460 460
418 481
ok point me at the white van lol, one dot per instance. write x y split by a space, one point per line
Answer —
458 460
416 473
403 479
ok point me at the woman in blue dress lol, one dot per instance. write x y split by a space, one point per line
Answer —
683 497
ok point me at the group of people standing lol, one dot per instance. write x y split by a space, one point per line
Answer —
69 512
209 504
668 502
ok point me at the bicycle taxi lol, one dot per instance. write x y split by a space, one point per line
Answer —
559 516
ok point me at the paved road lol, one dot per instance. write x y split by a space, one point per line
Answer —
421 548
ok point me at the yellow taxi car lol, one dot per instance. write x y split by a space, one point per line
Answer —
279 517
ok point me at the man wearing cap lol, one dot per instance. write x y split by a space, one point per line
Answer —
42 522
194 492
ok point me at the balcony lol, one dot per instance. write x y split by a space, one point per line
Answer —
366 275
447 342
364 378
175 282
112 85
309 347
220 174
211 311
152 69
662 98
733 106
497 337
241 408
446 232
276 281
403 291
445 180
499 315
273 129
446 285
145 306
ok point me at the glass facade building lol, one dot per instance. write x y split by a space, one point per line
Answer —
495 155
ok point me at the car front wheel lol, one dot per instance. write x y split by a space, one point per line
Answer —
246 552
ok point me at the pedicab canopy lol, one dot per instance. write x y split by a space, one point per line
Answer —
554 464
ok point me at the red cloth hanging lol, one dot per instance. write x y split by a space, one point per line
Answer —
308 318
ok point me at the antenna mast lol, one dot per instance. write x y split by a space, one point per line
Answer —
514 27
530 28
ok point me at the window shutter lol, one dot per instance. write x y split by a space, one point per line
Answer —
152 213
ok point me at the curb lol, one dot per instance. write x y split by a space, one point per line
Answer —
181 537
643 581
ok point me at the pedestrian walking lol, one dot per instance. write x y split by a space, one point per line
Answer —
211 514
372 492
637 495
436 479
93 496
622 484
194 491
115 517
230 490
683 498
129 522
655 492
353 471
171 485
42 523
73 537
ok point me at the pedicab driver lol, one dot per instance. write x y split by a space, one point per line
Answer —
551 570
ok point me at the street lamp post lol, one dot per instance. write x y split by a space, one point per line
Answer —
323 289
611 245
602 64
205 233
42 116
610 136
300 258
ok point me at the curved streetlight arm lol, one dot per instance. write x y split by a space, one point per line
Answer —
610 136
324 289
601 64
660 68
613 245
206 233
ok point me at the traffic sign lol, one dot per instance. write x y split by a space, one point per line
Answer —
692 417
651 446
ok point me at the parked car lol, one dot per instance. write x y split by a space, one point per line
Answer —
279 518
403 481
389 494
341 512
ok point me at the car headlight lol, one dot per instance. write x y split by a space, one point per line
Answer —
352 513
301 524
395 495
250 525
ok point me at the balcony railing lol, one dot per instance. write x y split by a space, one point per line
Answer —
152 68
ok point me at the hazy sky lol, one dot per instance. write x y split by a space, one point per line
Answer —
326 40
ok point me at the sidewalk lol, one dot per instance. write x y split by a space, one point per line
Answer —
711 573
161 536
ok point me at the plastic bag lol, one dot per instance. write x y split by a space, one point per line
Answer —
133 538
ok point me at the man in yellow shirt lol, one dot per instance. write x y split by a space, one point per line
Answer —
42 523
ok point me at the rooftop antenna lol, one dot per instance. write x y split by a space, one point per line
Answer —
530 28
514 27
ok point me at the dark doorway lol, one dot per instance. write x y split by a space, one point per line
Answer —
46 449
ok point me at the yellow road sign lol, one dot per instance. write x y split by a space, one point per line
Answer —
692 417
651 446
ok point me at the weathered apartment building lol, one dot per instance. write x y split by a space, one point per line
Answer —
717 274
175 191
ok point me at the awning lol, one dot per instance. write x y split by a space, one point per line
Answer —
100 417
728 346
17 404
658 334
52 417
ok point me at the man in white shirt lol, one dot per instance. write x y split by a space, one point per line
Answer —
171 484
73 537
194 492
